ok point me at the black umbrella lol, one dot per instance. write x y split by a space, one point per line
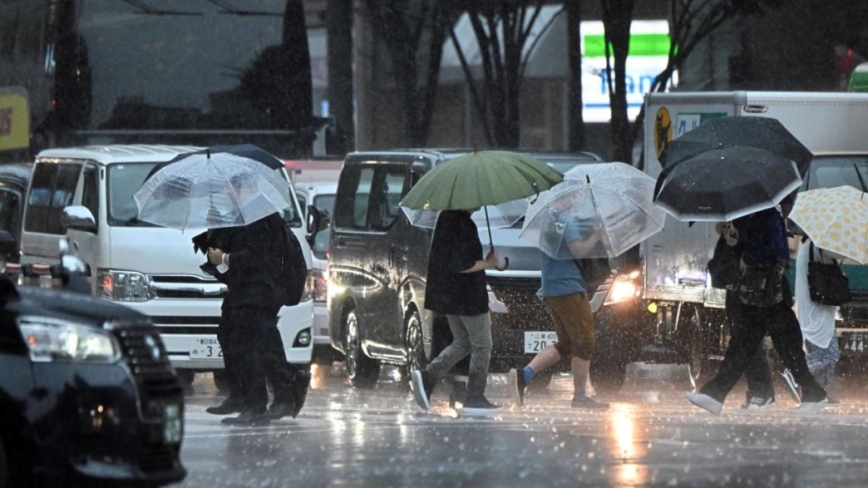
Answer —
721 185
759 132
248 151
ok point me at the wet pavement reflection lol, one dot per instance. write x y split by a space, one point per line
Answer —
650 436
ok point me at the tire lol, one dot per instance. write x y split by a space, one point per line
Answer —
414 348
221 381
362 371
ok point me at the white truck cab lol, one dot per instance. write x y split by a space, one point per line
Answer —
87 193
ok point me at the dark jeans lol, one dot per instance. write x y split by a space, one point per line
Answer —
781 324
757 372
253 355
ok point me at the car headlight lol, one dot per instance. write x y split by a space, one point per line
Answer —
60 340
624 287
123 286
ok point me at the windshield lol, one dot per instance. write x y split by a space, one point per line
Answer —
321 242
124 180
832 171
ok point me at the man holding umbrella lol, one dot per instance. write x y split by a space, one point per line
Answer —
456 287
565 292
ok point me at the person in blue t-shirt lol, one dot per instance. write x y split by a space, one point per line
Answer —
564 292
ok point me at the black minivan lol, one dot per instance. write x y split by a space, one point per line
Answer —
378 264
14 178
87 394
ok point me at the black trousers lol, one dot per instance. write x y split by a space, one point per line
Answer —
757 371
781 324
253 356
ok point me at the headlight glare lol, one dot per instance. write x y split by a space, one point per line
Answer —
123 286
57 340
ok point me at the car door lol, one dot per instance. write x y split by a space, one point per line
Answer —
52 187
366 211
86 244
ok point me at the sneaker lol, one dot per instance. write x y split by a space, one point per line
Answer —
811 407
480 407
792 386
758 403
516 381
422 389
705 402
588 404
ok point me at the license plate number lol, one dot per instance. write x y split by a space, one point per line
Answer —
536 341
207 348
172 430
854 343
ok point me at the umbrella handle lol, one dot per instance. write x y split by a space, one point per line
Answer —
505 265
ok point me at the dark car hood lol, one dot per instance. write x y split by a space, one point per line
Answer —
59 304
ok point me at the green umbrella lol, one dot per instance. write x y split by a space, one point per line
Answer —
479 179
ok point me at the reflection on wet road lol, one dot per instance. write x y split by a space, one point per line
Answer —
649 437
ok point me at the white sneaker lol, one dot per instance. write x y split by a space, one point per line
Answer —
757 403
705 402
807 408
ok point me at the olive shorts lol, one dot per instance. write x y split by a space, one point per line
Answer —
574 325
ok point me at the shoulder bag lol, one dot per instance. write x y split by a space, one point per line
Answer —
826 282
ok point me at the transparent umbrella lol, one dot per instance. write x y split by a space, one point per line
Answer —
614 199
211 191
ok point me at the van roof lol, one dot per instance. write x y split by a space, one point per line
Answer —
449 153
110 154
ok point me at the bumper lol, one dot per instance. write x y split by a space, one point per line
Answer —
189 330
321 324
101 424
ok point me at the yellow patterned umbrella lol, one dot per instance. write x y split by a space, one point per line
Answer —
836 219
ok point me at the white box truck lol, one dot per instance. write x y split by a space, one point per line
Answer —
667 308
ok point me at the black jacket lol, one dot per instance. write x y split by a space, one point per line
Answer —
455 247
254 263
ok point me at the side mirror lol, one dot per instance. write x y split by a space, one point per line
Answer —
77 217
317 220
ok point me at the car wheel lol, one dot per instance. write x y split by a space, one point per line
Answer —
361 370
414 348
221 381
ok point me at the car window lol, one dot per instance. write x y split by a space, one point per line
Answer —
90 191
832 171
52 188
321 241
369 196
9 211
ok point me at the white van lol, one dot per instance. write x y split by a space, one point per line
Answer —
87 193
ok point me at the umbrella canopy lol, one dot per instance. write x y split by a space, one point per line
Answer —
247 151
612 198
213 191
478 179
725 184
836 219
759 132
498 216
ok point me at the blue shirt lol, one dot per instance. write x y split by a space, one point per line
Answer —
562 276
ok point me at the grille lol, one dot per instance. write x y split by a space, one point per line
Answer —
526 310
149 363
175 286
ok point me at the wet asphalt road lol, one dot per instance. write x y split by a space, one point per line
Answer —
650 436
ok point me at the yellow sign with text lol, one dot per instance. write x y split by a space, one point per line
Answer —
14 119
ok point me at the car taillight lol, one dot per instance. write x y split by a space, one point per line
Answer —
318 285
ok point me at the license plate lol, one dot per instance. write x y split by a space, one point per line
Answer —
206 348
536 341
854 342
172 423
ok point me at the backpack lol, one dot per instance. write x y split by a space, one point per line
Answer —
293 269
595 272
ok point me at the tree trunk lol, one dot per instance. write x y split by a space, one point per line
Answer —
576 119
339 27
617 17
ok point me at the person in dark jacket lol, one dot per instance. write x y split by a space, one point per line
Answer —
248 261
762 242
456 287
